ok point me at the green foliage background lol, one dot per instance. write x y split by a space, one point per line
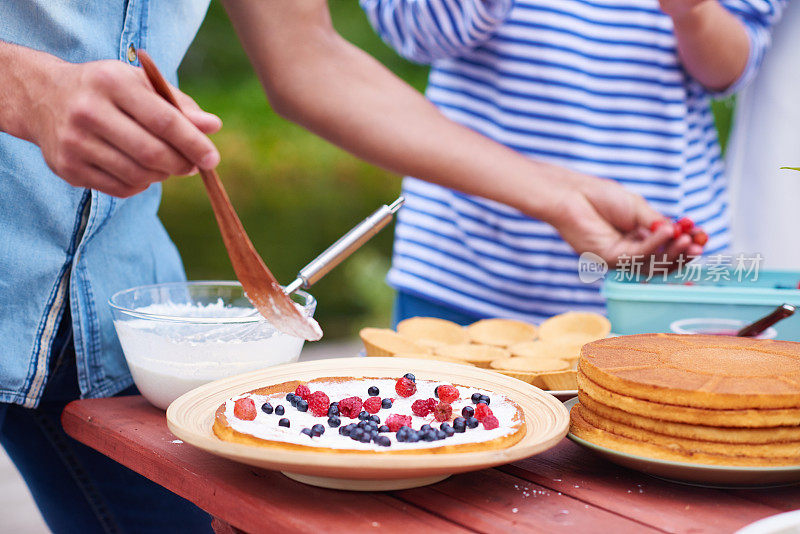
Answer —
295 193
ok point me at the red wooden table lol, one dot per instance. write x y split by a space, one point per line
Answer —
564 489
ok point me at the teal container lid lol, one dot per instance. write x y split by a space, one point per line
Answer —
770 287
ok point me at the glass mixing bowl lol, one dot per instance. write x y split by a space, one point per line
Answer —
181 335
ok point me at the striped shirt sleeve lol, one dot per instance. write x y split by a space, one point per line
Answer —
758 17
426 30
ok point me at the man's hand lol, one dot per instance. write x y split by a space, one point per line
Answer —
100 125
677 9
603 217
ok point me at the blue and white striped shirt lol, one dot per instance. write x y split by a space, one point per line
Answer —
594 85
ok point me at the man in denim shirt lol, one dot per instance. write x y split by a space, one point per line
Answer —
84 143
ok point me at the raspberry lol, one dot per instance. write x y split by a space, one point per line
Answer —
245 409
686 224
395 421
372 404
490 422
443 411
350 407
677 231
656 225
422 407
448 394
405 387
303 392
481 411
319 403
700 237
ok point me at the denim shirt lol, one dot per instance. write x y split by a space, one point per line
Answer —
62 245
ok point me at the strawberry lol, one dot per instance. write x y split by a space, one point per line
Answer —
303 392
481 411
490 422
700 237
686 224
372 404
244 409
443 411
395 421
405 387
350 407
448 393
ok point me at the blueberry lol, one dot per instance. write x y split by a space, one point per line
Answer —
447 429
363 415
373 391
485 399
318 429
335 403
289 396
365 438
468 411
333 410
386 403
476 398
403 432
436 392
383 441
410 377
384 428
295 399
343 431
459 424
267 408
413 437
283 422
472 422
307 432
441 434
400 436
373 433
429 435
356 433
302 405
424 428
334 421
375 419
279 410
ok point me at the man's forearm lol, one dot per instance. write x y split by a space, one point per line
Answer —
712 44
21 69
315 78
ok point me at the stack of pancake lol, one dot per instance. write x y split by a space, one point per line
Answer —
714 400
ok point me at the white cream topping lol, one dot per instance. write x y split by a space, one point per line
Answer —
266 427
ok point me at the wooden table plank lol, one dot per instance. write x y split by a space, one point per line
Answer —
132 432
668 506
493 501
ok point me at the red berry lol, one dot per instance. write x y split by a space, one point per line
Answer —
677 231
481 411
448 394
443 411
490 422
245 409
303 392
686 224
656 225
405 387
700 237
350 407
395 421
373 404
421 407
318 403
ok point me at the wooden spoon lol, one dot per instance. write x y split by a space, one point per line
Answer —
259 284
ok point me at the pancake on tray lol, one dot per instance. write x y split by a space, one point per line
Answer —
386 342
714 400
501 332
371 415
433 332
574 328
479 355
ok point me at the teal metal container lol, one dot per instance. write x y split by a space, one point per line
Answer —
637 307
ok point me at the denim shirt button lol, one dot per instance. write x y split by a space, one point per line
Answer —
131 53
